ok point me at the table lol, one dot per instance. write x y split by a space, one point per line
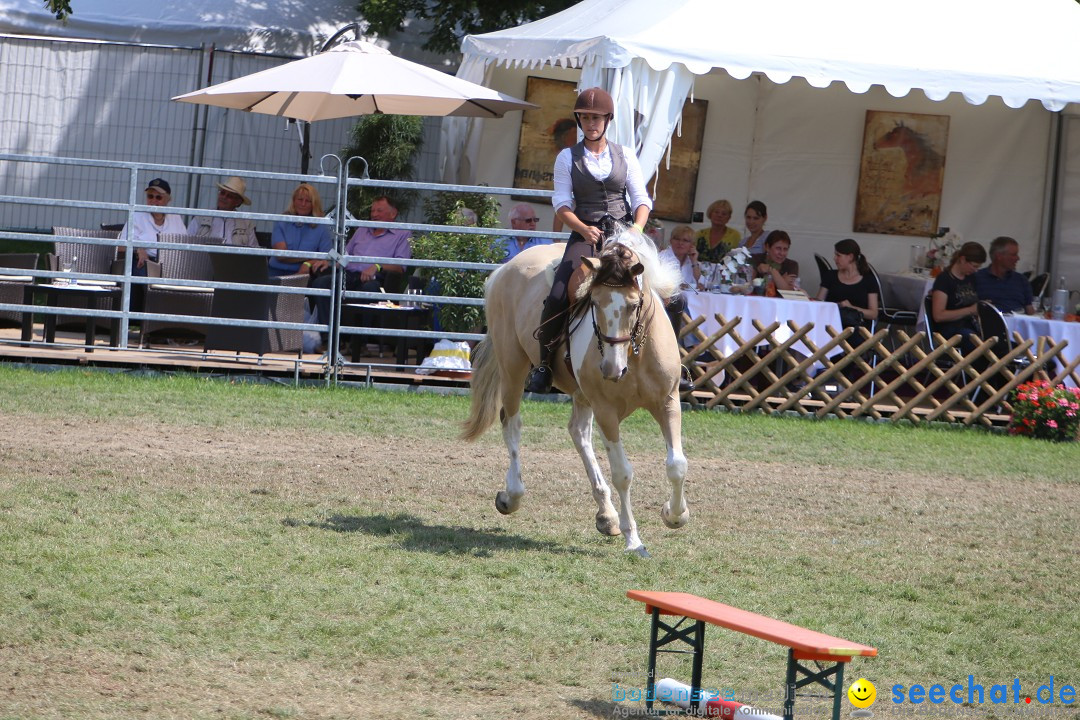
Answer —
395 317
765 310
1032 327
53 294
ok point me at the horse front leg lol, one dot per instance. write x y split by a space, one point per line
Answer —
509 500
581 420
675 513
622 476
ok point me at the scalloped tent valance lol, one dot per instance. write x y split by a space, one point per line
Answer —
1019 51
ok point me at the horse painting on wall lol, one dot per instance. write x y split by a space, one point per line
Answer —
901 173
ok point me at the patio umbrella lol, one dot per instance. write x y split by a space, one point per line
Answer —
355 78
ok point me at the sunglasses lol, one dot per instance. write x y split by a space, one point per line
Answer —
154 196
529 220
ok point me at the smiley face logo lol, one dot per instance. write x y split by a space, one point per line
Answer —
862 693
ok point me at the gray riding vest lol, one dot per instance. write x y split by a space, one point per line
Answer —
595 198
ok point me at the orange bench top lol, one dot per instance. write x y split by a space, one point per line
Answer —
803 641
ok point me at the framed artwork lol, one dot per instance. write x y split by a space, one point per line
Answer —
677 187
901 172
545 130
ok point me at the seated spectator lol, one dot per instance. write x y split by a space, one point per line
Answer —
774 263
522 217
235 231
954 303
373 242
685 254
301 236
851 285
716 240
755 216
999 283
147 226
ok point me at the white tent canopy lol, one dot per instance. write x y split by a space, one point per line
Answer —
959 53
978 48
1018 51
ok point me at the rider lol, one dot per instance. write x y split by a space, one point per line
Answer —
592 181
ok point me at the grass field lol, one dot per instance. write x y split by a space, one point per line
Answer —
178 548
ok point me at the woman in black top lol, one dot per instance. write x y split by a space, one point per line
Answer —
954 304
851 285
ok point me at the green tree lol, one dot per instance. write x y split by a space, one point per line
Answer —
60 8
454 19
389 144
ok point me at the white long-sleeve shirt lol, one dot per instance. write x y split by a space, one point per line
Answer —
599 168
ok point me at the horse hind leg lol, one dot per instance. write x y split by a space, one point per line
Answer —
581 419
509 500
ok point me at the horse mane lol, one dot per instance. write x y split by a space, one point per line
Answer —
661 275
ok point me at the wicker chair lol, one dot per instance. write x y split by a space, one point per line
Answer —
85 258
182 264
12 282
255 305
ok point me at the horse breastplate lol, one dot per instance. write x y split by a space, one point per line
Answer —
593 199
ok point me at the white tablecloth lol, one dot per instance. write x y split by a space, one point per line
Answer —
764 310
1032 327
906 290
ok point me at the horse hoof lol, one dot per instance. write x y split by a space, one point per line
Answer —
502 503
677 521
608 525
640 551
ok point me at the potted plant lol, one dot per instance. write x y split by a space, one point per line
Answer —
446 208
1041 410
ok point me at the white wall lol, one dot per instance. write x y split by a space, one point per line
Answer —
797 148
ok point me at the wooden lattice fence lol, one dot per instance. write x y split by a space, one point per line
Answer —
886 374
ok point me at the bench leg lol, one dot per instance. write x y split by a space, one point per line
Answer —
819 677
694 637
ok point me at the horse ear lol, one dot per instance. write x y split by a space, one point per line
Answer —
592 263
637 269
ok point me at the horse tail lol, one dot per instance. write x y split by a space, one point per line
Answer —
486 392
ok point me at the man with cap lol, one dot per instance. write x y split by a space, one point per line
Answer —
597 184
147 226
236 231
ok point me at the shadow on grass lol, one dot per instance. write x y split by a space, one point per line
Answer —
414 534
604 709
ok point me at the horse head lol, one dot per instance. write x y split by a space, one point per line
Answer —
616 305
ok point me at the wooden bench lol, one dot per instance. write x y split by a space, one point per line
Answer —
802 644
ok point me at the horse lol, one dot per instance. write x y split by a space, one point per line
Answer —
623 355
924 165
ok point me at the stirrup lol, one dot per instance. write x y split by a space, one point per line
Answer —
686 381
539 380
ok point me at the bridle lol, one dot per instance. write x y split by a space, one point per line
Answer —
636 338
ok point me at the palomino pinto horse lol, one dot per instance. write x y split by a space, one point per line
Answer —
623 355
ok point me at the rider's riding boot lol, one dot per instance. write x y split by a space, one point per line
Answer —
674 313
540 378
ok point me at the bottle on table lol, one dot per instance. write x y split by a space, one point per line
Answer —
1061 299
